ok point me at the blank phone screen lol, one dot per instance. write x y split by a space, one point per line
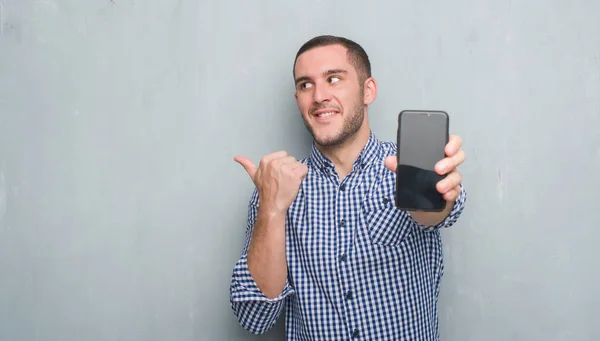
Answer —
422 137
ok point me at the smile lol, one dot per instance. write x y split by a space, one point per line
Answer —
326 114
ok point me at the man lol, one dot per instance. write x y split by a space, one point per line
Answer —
324 240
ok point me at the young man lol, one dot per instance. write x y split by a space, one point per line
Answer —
324 240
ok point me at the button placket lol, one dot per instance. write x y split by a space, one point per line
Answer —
342 240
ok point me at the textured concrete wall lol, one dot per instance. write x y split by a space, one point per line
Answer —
122 211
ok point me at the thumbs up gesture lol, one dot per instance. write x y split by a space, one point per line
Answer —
277 179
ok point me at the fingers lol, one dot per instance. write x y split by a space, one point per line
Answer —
299 164
450 163
296 167
283 160
270 157
284 164
300 170
454 144
278 160
452 194
247 164
251 168
391 162
449 183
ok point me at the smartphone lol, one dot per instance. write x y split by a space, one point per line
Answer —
422 138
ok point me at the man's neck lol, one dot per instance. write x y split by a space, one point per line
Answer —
344 155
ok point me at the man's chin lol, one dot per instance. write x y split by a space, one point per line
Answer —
327 141
327 137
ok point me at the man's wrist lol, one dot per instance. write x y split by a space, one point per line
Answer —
269 213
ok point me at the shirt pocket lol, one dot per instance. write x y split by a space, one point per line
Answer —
386 224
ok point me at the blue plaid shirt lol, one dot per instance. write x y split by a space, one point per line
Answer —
359 268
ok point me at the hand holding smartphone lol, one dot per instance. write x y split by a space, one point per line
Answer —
422 137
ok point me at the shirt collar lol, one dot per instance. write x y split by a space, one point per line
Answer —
367 156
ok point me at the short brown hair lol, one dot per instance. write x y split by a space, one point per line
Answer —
357 56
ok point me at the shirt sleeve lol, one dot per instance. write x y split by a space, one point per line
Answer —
452 217
254 311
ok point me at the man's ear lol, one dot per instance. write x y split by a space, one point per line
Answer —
370 87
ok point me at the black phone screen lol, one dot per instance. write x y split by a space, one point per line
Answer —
422 137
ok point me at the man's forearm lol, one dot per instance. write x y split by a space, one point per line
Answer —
266 254
432 218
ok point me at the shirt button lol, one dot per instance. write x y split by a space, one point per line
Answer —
342 188
349 295
342 223
385 200
355 333
343 257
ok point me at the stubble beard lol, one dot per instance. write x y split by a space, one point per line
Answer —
350 127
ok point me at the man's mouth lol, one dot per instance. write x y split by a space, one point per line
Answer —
326 114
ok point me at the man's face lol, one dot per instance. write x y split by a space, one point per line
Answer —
329 96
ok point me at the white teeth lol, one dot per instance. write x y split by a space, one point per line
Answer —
326 114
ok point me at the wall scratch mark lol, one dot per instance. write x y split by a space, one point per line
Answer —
501 185
85 22
177 11
1 17
3 196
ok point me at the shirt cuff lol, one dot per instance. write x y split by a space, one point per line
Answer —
452 217
244 288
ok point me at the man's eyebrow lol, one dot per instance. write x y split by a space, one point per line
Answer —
326 73
302 79
330 72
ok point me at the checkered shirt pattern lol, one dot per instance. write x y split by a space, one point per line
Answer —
359 268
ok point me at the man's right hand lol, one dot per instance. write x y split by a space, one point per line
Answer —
277 179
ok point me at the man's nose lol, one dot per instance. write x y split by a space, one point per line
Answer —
321 93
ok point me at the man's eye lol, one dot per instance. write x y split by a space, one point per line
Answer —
305 85
334 79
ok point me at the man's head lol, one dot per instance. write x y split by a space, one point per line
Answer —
356 55
333 87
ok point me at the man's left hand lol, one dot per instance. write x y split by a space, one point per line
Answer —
450 185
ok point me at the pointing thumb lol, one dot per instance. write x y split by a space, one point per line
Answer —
247 164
